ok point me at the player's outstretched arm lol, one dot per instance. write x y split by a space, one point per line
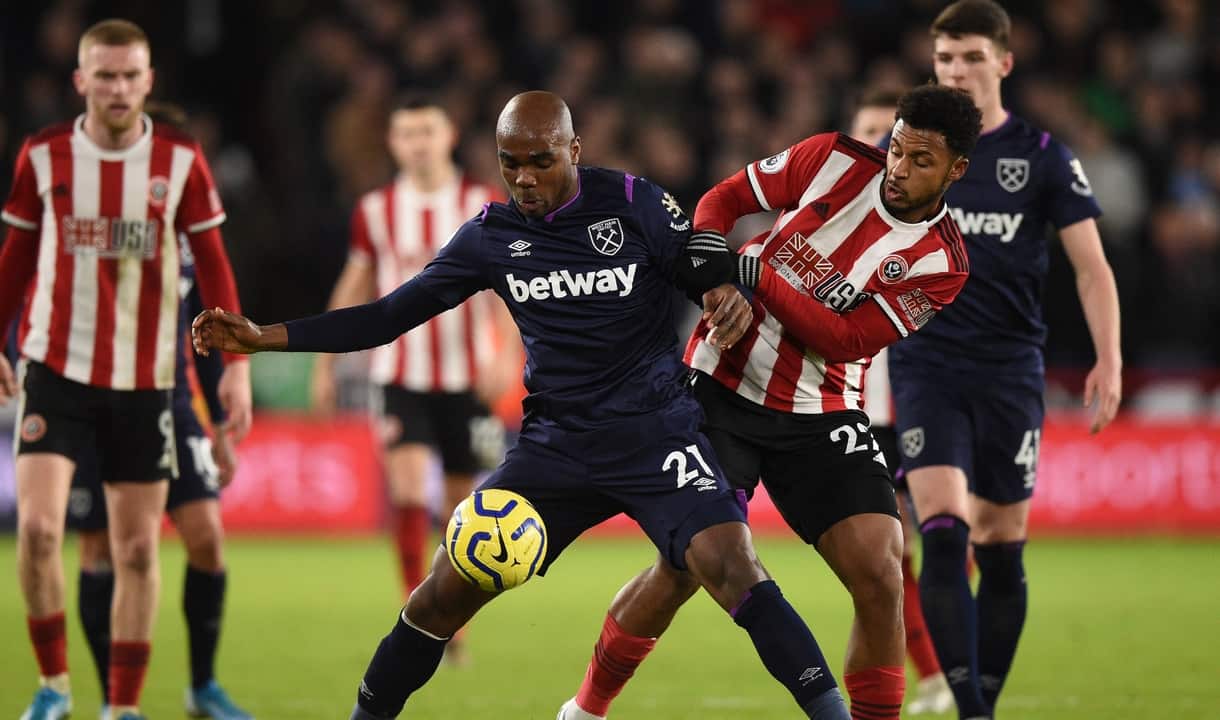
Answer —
1099 298
232 333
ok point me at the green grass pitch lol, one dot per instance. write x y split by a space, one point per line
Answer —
1117 629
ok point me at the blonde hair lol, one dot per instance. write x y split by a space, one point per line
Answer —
111 32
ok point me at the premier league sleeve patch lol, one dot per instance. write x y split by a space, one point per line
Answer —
606 236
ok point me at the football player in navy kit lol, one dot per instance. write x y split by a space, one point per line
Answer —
968 388
585 259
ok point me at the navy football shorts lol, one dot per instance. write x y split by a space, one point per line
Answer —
198 478
658 469
991 428
818 469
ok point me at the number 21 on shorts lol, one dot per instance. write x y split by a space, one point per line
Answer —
677 460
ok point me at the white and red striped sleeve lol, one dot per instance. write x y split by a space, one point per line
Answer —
200 208
774 183
23 209
360 244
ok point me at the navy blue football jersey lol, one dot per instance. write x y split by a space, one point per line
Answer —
591 289
1020 180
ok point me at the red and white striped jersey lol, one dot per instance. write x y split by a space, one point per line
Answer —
841 277
104 304
400 230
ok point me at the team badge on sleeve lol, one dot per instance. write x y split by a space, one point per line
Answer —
1080 185
606 236
775 163
1012 173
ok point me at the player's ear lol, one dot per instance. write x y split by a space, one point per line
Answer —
78 81
958 168
574 148
1006 63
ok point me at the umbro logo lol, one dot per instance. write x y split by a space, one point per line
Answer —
519 248
810 674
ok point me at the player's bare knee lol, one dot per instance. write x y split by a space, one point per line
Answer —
136 555
876 584
206 552
40 537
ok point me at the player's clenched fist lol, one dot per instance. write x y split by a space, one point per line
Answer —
232 333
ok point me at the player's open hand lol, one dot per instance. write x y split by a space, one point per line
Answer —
728 315
225 331
1105 385
8 383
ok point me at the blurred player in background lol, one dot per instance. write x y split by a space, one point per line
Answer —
435 384
207 462
872 122
587 259
968 389
863 254
94 216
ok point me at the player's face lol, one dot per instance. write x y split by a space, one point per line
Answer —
871 123
918 170
539 169
972 63
114 80
421 140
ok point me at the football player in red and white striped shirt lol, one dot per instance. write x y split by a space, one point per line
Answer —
435 382
93 215
863 253
871 123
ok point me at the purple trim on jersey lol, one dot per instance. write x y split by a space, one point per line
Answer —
551 215
743 502
940 521
736 608
629 185
486 208
1007 119
1044 140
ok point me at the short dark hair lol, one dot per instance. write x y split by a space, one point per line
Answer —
417 100
948 111
974 17
879 97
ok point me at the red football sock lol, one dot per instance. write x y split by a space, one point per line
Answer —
876 693
919 642
50 640
128 665
411 525
615 658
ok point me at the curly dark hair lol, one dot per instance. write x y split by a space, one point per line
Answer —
945 110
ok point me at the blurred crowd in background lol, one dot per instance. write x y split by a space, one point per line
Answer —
289 98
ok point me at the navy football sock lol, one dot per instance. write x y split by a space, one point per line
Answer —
788 650
95 592
404 661
948 609
203 597
1001 610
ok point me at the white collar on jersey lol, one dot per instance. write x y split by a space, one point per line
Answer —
84 142
895 222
